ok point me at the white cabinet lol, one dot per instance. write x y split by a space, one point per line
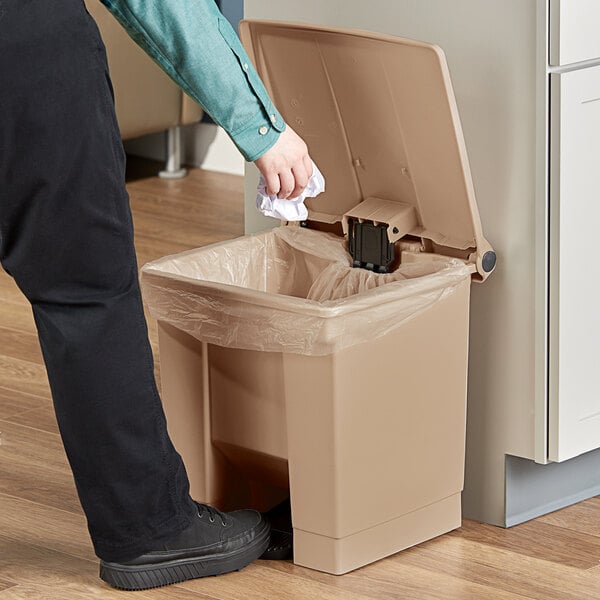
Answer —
574 390
574 31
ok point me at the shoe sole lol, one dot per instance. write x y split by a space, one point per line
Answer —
145 577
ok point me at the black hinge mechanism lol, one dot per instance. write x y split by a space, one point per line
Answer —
370 246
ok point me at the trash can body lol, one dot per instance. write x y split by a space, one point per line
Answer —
376 437
286 371
365 435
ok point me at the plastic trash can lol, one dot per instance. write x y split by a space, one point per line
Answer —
288 362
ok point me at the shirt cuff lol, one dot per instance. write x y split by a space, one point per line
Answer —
258 137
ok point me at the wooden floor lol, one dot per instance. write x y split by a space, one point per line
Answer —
45 552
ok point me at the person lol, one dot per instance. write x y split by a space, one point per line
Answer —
66 237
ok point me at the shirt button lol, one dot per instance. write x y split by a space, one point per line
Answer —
273 119
245 66
263 130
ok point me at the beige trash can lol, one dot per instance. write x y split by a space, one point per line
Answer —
287 371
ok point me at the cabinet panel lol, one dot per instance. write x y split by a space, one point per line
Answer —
574 31
574 266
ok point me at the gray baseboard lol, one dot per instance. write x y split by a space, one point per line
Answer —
204 146
533 490
153 146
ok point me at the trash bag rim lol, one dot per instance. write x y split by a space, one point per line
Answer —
448 277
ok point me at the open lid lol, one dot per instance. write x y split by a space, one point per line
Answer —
380 119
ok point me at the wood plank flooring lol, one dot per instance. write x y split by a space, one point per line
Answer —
45 552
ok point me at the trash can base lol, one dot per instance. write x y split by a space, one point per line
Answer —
339 556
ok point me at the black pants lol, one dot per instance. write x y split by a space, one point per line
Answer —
66 237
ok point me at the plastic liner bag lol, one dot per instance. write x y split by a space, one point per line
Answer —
290 290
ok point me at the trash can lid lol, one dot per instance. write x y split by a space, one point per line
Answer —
380 118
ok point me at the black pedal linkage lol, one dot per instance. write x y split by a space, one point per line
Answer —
370 246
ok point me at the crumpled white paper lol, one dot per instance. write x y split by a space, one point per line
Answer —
292 209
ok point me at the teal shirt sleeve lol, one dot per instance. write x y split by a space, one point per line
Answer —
197 47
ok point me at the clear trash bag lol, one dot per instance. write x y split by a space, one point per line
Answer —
290 290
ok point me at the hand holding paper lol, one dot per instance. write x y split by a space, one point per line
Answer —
294 208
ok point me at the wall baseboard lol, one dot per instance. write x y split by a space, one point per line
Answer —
533 490
153 146
205 146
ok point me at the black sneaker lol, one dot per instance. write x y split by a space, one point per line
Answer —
213 544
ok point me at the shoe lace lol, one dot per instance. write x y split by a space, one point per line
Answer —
212 512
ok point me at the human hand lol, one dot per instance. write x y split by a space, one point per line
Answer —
286 166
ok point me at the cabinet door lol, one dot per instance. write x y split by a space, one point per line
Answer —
574 31
574 333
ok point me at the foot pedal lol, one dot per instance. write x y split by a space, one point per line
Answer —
281 544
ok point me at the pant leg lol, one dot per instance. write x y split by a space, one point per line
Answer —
66 237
